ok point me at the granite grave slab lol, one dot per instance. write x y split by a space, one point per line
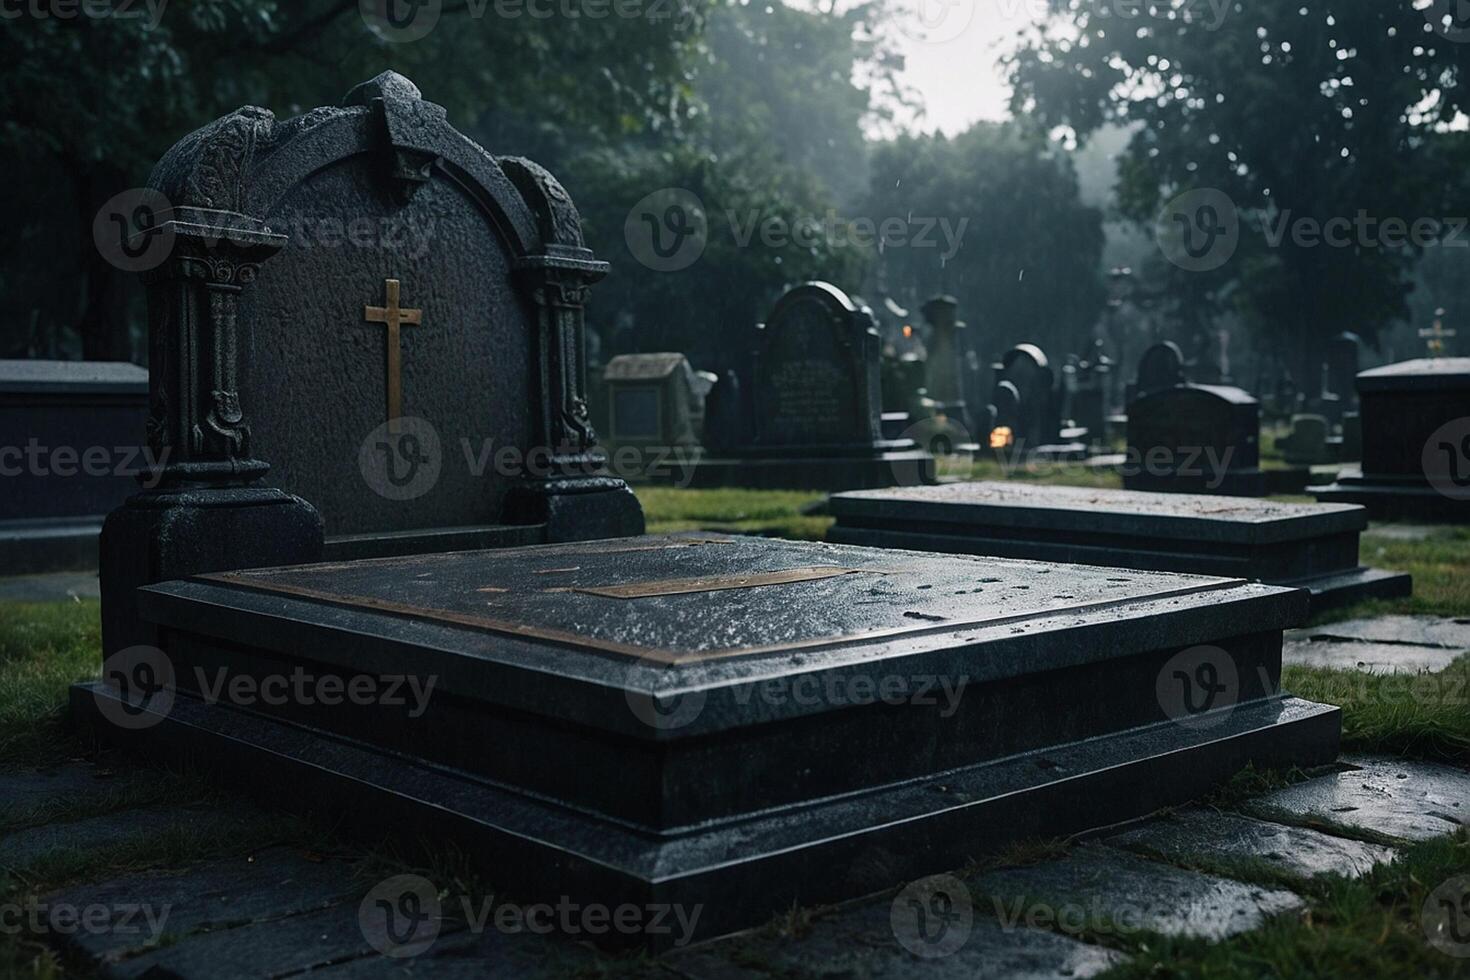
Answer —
1416 443
774 710
1311 546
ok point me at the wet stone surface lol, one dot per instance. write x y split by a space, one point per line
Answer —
1228 838
224 894
1412 801
1114 891
1426 631
895 938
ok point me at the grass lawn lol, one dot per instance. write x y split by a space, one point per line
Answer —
1368 927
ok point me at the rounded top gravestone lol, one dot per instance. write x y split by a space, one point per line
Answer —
395 293
1161 366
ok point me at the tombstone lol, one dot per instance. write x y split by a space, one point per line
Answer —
1344 353
1160 367
944 379
1200 439
1026 367
626 720
1307 546
1005 414
815 404
1308 443
1089 397
655 412
725 414
70 451
1415 443
365 340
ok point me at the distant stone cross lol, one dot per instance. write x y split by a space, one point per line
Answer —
1437 336
393 317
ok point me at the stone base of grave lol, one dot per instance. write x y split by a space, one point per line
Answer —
1308 546
35 547
737 724
1393 499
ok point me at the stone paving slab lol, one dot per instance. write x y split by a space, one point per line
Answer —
1410 532
264 949
1412 801
220 894
1229 837
1427 631
26 796
1098 883
467 956
1302 648
874 940
99 835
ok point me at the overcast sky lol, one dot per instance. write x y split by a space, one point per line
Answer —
952 50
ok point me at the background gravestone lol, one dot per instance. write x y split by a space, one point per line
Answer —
655 404
1415 443
1344 355
71 449
817 373
1161 366
815 408
1196 439
368 306
1308 442
1026 366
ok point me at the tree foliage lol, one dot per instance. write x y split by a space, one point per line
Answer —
1301 111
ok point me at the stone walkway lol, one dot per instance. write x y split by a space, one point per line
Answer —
1384 644
280 911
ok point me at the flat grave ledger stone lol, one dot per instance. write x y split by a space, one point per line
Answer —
1415 443
1308 546
71 449
1201 439
816 405
415 385
732 723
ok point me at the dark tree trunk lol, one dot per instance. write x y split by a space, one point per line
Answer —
104 321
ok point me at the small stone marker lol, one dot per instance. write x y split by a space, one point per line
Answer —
655 412
1416 443
1189 835
1413 801
1308 442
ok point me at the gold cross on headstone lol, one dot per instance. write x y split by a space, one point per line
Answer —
393 317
